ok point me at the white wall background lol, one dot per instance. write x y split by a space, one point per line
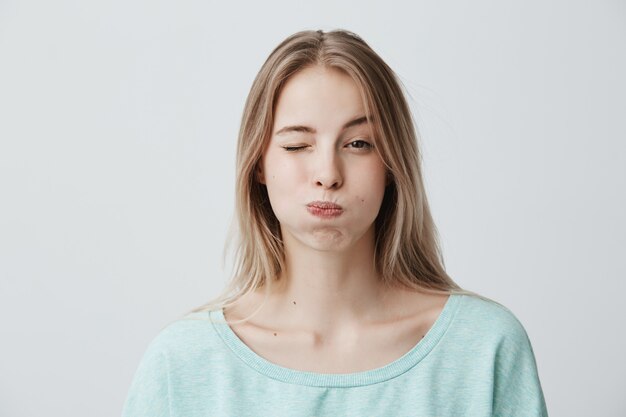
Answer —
118 123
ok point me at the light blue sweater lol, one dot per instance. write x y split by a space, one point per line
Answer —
476 360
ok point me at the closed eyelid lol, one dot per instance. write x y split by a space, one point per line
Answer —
305 142
365 145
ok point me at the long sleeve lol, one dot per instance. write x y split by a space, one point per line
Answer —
149 392
517 389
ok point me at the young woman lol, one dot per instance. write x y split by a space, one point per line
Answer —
339 304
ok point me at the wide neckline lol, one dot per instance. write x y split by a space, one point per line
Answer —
372 376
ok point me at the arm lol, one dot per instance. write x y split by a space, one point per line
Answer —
149 392
517 389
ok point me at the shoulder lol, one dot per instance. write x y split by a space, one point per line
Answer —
183 348
485 333
182 352
495 340
489 320
189 335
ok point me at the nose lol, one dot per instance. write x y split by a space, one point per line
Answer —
327 171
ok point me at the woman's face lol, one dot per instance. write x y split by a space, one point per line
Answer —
321 149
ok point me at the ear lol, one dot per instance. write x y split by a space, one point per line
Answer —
388 179
260 176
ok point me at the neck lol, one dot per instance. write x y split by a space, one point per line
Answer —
327 292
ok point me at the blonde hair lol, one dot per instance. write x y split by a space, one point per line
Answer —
407 251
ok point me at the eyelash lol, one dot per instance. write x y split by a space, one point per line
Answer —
367 146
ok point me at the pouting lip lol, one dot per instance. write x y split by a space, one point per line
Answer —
324 205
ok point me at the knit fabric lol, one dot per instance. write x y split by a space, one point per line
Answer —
476 360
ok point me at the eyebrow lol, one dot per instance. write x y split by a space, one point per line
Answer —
307 129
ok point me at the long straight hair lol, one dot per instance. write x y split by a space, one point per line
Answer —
407 250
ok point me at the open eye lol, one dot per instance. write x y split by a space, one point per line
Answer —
358 144
361 144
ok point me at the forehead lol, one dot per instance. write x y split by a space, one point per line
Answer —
319 96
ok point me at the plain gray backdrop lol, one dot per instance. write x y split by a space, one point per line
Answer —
118 125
